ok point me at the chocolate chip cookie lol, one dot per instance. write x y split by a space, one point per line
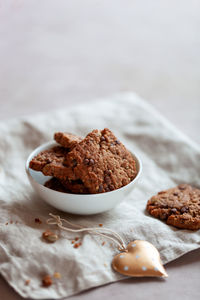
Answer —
74 186
67 140
50 163
66 186
101 162
178 206
96 164
56 185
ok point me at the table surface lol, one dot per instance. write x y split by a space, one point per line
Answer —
61 53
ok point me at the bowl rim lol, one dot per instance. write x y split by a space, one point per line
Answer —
52 143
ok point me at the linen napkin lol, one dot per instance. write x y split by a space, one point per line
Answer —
168 158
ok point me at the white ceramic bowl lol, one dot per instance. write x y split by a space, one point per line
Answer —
76 203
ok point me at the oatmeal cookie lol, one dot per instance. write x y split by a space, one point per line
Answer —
101 162
56 185
74 186
178 206
50 163
67 140
66 186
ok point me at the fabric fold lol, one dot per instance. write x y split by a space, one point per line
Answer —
168 157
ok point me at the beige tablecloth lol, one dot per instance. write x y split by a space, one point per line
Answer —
168 158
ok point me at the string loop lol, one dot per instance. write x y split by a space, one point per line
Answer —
57 220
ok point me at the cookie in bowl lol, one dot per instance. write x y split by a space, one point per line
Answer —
83 175
98 163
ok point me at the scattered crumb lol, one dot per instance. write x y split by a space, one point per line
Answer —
46 281
57 275
16 222
73 242
6 223
27 282
46 233
49 236
100 225
77 245
11 222
105 265
111 245
103 243
76 238
37 220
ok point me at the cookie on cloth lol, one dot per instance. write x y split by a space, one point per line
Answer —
67 140
178 206
101 162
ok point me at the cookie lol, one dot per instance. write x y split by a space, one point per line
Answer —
56 185
74 186
101 162
178 206
67 140
66 186
50 162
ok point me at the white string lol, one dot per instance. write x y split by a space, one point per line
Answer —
56 220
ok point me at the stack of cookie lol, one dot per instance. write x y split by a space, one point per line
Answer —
97 163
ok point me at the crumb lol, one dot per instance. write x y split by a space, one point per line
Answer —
6 223
76 238
46 281
105 265
103 243
100 225
46 233
16 222
72 242
77 245
27 282
49 236
57 275
11 222
37 220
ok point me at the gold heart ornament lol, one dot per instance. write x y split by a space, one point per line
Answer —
140 259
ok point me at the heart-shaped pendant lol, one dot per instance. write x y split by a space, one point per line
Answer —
140 259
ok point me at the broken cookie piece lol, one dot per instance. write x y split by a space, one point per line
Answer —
67 140
96 164
50 163
66 186
75 186
56 185
101 162
178 206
